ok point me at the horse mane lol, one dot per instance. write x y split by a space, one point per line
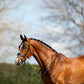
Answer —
44 44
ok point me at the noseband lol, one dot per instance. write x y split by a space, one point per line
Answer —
24 56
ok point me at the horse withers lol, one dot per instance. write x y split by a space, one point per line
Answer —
55 67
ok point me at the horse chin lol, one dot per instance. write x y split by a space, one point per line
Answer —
18 64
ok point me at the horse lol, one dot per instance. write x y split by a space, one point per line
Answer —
55 67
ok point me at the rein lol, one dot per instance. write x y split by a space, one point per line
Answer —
46 69
49 65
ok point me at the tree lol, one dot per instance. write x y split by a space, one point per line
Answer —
70 14
5 6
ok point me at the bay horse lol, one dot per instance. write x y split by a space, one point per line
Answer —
55 67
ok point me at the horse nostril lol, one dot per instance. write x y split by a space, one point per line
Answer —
18 63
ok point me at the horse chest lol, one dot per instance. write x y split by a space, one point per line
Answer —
49 79
46 79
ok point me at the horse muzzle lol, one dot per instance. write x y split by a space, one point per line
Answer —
18 62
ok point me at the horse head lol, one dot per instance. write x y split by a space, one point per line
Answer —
25 50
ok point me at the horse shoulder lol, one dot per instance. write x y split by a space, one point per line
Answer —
58 70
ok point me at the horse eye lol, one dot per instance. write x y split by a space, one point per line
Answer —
25 47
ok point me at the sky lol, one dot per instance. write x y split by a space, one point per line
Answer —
27 19
29 13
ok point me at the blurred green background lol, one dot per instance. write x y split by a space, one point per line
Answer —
12 74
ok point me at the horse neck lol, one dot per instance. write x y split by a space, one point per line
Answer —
43 54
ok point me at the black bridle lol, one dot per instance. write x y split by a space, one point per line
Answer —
24 56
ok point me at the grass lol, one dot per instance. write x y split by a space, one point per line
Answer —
12 74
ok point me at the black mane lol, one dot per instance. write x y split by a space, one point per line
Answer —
43 43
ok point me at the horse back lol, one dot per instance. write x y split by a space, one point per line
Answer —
79 59
75 70
71 69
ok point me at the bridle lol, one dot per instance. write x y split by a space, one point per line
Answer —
24 56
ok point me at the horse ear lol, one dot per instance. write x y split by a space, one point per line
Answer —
21 37
25 38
